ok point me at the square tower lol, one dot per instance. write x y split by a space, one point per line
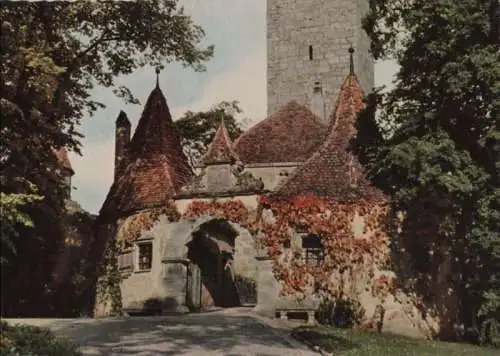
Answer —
307 47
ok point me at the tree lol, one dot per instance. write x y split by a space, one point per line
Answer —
53 54
197 129
434 147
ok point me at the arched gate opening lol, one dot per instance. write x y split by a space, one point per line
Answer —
210 276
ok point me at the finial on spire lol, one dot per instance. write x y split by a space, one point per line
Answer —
158 76
351 60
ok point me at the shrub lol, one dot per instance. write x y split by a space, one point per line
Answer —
490 333
325 312
341 313
24 340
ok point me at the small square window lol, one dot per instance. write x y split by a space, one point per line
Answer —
145 256
313 247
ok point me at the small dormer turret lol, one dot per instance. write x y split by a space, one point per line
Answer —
219 159
222 171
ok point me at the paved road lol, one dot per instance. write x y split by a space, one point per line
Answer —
224 333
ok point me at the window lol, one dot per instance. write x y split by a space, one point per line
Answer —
145 256
310 53
313 249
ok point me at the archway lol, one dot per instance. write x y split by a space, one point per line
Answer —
211 251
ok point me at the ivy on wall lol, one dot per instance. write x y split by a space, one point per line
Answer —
232 210
331 220
131 228
108 284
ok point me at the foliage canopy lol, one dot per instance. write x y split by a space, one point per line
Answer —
434 145
53 54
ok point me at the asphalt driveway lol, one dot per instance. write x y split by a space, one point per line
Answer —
227 332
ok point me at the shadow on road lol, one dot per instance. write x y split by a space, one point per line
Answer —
193 334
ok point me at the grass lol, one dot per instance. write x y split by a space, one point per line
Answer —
350 342
24 340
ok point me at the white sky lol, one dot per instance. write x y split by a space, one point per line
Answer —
237 72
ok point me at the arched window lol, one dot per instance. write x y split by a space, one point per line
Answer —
313 247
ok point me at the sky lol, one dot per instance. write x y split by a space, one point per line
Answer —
237 72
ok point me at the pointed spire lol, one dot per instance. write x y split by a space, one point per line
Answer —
122 119
158 77
351 60
221 149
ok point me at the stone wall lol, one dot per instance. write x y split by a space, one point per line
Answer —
325 29
218 177
268 288
168 275
244 263
363 60
167 280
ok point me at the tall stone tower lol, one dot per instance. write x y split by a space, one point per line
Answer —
307 51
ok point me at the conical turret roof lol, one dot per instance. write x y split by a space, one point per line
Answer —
333 171
157 167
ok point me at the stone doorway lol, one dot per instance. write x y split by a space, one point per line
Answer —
210 274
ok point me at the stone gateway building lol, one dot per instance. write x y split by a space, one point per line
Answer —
187 238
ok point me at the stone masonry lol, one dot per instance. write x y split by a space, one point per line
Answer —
307 42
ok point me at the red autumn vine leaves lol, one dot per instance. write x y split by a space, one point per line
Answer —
232 210
331 220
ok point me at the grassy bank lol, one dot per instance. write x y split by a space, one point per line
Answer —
351 342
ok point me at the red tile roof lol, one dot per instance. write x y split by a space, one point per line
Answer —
221 149
292 134
333 171
62 158
157 167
